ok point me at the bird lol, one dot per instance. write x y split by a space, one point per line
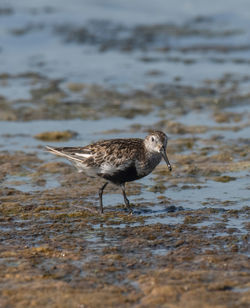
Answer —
118 161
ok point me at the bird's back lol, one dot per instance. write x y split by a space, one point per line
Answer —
114 160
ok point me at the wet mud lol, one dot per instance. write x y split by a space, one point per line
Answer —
186 244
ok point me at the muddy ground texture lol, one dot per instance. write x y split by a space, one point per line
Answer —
57 251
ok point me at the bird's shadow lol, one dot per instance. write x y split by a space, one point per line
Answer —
147 211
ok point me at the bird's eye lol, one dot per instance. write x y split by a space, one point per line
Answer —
152 139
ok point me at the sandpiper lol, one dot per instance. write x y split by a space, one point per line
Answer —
118 160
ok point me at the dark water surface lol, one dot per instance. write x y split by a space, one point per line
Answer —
106 69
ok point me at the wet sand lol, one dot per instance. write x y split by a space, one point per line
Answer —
187 242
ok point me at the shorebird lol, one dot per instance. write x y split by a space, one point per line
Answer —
118 160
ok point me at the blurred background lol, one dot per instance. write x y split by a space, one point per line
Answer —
69 53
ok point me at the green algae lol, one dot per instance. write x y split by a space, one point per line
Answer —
224 179
56 136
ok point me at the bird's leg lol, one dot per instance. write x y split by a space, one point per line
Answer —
100 195
127 205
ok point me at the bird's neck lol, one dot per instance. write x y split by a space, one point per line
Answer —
147 163
153 158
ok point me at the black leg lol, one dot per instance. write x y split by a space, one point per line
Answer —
100 196
127 205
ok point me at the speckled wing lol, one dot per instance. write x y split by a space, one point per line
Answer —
104 158
116 159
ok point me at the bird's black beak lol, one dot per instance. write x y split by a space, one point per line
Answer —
164 155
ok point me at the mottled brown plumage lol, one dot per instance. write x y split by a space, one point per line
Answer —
118 160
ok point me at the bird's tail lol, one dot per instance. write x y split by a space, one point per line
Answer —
59 152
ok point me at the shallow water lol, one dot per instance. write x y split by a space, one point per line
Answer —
119 69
